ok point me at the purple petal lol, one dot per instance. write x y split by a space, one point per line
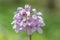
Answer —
35 11
39 30
22 11
19 8
17 28
41 23
17 17
27 7
29 31
34 16
33 29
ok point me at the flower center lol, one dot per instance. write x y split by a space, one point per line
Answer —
24 15
31 27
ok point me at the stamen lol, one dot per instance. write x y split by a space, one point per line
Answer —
24 15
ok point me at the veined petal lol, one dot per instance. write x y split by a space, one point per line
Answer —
34 17
34 11
17 17
21 24
40 18
43 24
39 30
33 29
29 31
19 8
17 28
39 13
27 7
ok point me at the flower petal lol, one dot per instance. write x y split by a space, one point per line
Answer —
13 22
27 7
40 18
20 28
29 31
34 17
39 13
39 30
42 23
33 29
28 13
14 26
19 8
34 10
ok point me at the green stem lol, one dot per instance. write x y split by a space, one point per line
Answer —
29 37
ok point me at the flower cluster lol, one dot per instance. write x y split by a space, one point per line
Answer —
27 19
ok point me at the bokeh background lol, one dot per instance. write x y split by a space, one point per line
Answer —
51 15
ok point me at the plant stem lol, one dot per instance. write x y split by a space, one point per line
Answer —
29 37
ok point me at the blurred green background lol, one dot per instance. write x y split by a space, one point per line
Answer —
51 15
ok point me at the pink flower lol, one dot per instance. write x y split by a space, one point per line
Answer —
23 20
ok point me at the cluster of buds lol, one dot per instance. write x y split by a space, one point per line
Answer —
27 19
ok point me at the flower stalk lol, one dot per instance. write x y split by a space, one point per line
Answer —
30 37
